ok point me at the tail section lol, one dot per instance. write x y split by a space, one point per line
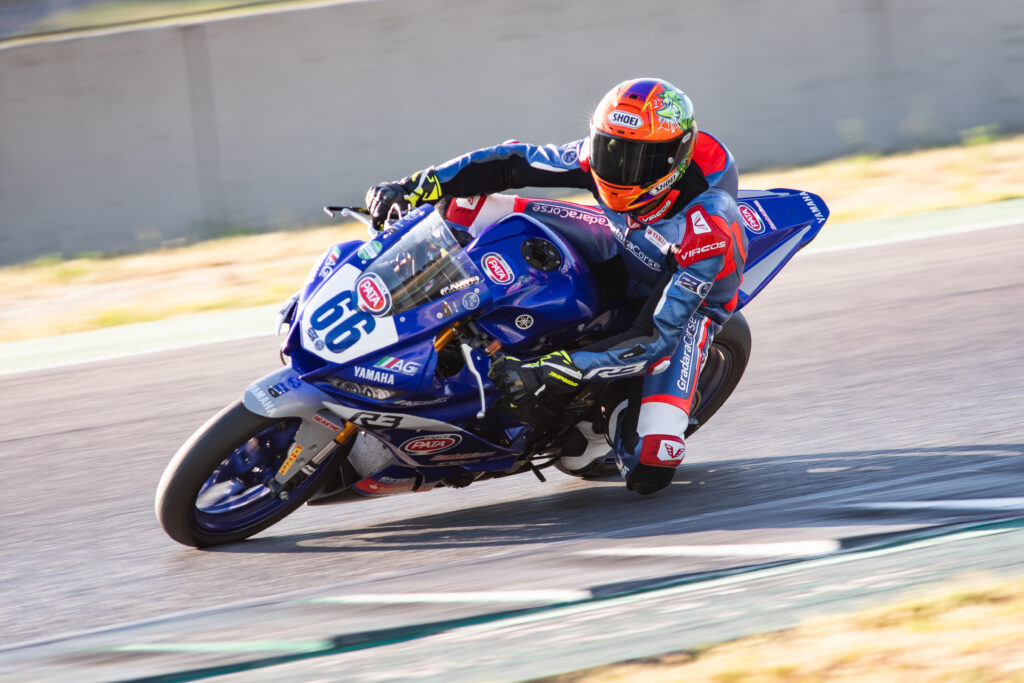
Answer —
779 223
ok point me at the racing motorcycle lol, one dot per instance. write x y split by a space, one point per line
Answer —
387 348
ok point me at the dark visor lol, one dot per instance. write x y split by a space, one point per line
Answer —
632 162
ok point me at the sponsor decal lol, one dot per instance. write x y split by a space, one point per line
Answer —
278 389
435 443
694 284
655 238
294 382
686 361
524 322
497 269
263 399
374 296
569 212
616 371
818 215
369 250
375 376
293 454
392 364
698 223
471 301
624 119
326 423
685 258
432 402
661 187
662 450
330 262
751 219
765 214
570 156
461 284
638 253
467 203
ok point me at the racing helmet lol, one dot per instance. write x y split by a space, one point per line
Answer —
641 139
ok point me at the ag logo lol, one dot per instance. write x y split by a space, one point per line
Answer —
751 218
524 322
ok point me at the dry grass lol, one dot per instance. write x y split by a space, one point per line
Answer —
971 632
49 298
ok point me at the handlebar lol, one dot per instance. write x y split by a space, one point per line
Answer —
356 212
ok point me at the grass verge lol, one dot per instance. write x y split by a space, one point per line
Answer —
970 632
56 297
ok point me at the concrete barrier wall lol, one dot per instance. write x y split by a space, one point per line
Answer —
130 140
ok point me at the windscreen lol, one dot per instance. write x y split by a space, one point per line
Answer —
423 265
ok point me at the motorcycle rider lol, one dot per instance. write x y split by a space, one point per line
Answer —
667 193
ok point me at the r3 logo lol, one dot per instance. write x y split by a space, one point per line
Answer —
344 323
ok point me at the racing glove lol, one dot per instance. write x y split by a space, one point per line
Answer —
522 382
421 187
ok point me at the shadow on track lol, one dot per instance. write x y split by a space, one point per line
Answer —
699 490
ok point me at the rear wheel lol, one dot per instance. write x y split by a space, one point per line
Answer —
215 489
727 359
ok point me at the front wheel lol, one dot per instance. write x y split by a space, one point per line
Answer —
215 489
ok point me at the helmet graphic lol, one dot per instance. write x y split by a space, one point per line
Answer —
641 139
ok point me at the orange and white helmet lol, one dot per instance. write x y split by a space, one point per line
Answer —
641 139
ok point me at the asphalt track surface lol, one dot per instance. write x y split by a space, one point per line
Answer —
884 396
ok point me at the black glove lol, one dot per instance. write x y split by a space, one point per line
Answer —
523 382
421 187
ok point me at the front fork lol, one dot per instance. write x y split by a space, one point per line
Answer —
282 394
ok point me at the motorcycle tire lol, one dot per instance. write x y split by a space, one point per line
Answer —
727 359
213 490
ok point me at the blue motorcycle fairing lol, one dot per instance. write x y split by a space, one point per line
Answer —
534 310
778 223
342 350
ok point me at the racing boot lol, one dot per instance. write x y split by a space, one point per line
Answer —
647 462
583 452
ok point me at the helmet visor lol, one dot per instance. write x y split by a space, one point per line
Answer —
633 162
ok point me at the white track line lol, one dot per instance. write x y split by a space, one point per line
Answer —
791 549
551 596
965 504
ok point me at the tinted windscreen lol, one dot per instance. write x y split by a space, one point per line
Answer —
631 162
422 264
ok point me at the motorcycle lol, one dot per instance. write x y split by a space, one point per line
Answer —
387 348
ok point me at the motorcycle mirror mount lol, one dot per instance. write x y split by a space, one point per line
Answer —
356 212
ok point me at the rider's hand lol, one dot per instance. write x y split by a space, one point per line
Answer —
419 188
521 382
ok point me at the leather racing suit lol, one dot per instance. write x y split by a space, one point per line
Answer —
684 259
